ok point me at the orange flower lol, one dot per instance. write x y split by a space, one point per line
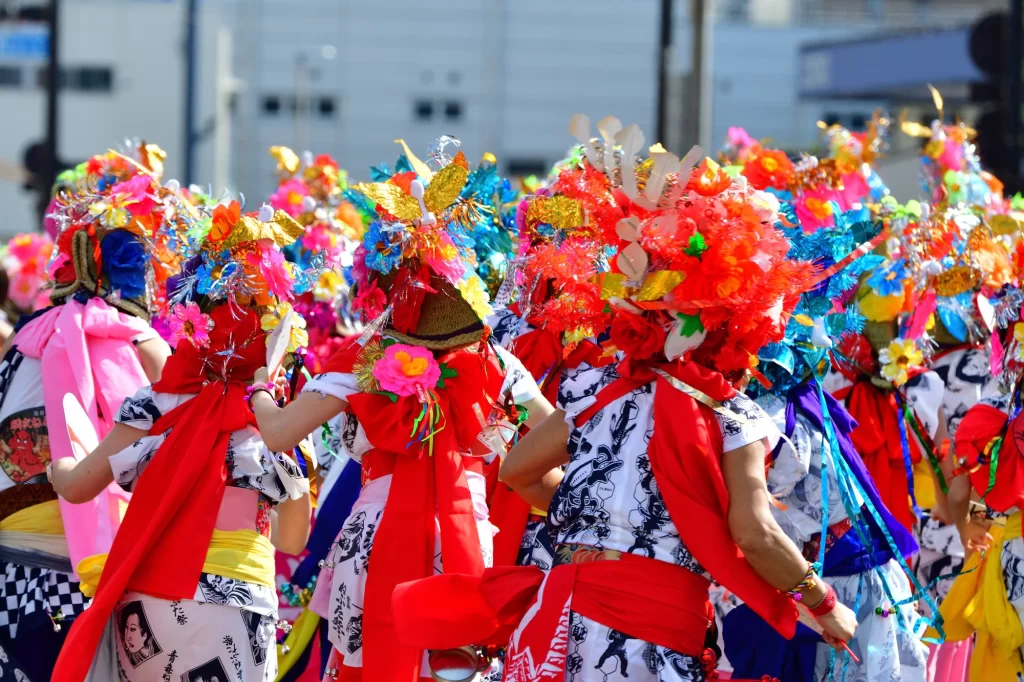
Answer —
224 220
708 179
769 168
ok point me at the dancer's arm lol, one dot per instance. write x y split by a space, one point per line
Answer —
533 466
290 529
283 428
80 481
153 353
767 549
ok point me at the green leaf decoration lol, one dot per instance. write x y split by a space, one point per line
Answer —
696 246
393 397
691 324
387 342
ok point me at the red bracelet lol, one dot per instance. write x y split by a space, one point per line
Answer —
826 605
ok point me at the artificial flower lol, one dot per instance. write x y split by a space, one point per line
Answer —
25 288
276 272
134 195
474 293
407 370
327 286
225 217
897 359
124 263
289 197
319 238
371 300
708 179
1018 337
298 337
636 336
383 246
768 168
887 280
188 322
442 257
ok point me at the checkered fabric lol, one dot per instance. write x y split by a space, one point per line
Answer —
24 590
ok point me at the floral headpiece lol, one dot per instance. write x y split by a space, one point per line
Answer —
25 260
699 263
418 253
315 191
114 220
237 259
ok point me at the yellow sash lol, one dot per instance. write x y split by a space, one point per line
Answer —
239 554
39 519
924 485
295 644
978 601
538 512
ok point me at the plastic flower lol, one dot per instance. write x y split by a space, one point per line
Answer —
327 286
289 197
474 293
188 322
888 279
24 289
371 300
768 168
1018 336
383 247
124 263
407 370
708 179
319 237
897 359
275 271
134 195
299 337
815 209
225 217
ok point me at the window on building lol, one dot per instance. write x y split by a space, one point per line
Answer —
326 107
454 77
453 110
43 78
270 105
423 110
10 77
858 122
830 118
92 78
523 167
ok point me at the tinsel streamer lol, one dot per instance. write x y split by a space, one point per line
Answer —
908 466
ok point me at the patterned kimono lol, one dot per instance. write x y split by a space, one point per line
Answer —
609 499
227 631
886 651
342 583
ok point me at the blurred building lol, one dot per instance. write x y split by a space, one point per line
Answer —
347 77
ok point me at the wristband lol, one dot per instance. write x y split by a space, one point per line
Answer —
827 604
256 388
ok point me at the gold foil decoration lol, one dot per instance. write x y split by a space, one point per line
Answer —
422 169
153 158
392 199
447 185
363 366
956 280
703 398
1003 224
287 160
282 230
613 285
489 158
559 212
659 283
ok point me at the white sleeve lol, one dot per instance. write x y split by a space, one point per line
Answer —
925 393
750 425
338 384
518 382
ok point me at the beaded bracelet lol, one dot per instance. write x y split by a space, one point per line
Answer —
807 583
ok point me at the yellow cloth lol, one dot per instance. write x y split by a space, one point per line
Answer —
978 601
924 485
41 519
538 512
295 644
239 554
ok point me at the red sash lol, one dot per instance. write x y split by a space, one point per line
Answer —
685 452
422 485
162 543
650 600
973 437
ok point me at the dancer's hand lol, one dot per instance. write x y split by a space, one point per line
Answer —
279 383
840 625
974 535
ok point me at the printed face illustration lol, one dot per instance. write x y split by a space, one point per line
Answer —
134 636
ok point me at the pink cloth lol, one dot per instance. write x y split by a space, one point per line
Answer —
86 350
949 662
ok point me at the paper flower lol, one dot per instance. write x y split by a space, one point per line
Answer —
474 293
276 273
897 359
383 247
188 322
289 197
888 279
124 263
299 337
371 300
225 217
1018 336
768 168
407 370
134 195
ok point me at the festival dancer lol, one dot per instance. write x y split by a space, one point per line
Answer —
94 342
422 391
665 480
187 590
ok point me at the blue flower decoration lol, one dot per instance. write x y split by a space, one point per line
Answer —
124 263
888 280
383 249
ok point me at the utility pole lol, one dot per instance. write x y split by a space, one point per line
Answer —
52 167
190 90
1015 48
664 69
695 91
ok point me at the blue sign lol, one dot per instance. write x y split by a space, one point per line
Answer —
24 44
